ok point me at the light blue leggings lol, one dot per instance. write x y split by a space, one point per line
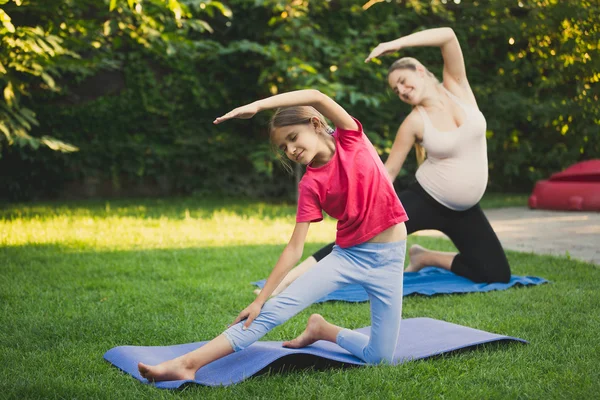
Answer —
377 267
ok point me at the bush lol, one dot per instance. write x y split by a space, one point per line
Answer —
140 100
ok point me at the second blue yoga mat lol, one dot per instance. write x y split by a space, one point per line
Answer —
429 281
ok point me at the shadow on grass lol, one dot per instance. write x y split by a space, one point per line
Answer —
309 362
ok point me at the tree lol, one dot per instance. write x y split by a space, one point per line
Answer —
28 59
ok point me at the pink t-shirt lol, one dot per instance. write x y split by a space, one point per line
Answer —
354 188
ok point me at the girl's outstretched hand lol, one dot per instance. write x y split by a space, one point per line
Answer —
244 112
249 314
380 50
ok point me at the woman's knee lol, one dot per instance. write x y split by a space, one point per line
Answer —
498 271
481 269
501 275
323 252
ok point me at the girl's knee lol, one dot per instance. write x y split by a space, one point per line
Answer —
271 319
378 357
276 312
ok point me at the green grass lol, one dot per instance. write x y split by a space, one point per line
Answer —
498 200
81 278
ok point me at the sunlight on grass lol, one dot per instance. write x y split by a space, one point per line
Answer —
162 223
141 227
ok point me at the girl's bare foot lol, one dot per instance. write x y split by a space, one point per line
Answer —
311 334
172 370
416 254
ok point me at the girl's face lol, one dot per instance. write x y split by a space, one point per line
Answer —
407 84
300 143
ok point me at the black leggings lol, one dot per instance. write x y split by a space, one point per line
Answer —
480 255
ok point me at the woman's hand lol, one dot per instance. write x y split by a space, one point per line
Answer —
249 313
383 49
245 112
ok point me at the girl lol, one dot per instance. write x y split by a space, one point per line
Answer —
345 178
446 122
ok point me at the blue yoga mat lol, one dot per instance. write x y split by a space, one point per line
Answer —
428 281
419 338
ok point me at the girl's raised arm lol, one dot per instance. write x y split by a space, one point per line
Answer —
309 97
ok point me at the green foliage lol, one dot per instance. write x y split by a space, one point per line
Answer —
28 57
543 113
151 75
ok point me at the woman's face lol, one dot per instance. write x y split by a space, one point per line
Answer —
407 84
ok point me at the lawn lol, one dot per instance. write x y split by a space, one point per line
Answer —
497 200
79 278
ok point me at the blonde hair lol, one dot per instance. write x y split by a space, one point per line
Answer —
411 64
295 115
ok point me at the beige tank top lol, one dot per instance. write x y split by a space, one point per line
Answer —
455 172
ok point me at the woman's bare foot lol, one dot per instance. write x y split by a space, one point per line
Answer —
172 370
282 286
421 257
296 272
275 293
312 333
416 254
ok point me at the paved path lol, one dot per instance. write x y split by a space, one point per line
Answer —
546 232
